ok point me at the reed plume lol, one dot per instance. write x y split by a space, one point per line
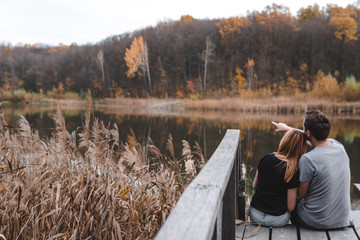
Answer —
96 189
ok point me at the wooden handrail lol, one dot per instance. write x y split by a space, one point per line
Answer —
209 205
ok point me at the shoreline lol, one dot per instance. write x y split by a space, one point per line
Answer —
232 105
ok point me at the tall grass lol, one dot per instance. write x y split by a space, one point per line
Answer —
87 185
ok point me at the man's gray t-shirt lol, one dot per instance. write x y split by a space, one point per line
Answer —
327 203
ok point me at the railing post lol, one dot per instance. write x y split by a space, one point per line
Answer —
228 211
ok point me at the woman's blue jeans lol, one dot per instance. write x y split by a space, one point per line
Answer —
267 219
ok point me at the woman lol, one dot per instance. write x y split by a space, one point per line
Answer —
276 181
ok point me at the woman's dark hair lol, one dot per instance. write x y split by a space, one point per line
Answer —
318 124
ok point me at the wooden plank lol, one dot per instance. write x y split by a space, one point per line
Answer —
239 231
262 234
195 213
312 235
357 230
284 233
347 233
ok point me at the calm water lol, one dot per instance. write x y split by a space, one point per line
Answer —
257 134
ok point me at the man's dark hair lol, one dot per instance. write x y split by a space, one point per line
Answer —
318 124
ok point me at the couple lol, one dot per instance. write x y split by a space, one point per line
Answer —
312 188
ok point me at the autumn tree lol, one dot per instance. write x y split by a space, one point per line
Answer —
229 27
250 68
186 19
309 12
239 79
345 30
137 57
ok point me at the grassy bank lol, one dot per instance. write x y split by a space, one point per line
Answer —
279 105
253 105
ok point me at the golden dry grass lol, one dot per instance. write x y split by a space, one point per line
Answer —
274 105
88 185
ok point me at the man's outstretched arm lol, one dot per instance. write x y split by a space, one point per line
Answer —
281 127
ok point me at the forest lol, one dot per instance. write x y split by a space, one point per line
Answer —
270 51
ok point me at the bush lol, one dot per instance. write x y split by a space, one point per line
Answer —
325 86
351 89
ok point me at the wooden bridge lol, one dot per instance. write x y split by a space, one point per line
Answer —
210 205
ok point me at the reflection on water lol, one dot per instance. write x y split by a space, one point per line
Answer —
257 134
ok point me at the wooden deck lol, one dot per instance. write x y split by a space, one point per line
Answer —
213 201
290 232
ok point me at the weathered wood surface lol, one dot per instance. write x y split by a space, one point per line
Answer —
357 230
263 232
312 235
288 232
195 214
347 233
239 231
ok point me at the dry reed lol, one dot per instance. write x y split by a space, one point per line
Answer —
88 185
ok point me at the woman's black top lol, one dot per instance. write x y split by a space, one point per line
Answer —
271 190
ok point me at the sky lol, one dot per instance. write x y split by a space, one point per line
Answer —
55 22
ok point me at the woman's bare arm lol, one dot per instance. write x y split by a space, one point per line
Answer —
291 198
255 180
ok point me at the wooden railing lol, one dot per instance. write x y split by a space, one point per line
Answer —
210 205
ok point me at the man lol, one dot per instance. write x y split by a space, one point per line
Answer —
324 189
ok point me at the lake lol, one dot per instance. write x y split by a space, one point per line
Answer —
257 134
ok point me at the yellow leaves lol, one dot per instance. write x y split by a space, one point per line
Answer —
346 28
239 79
68 83
344 24
325 86
186 19
232 25
61 47
335 11
60 89
275 13
9 48
309 12
134 56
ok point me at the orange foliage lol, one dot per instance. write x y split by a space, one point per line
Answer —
60 89
190 87
68 83
325 86
336 11
309 12
61 47
232 25
186 19
134 56
239 79
346 28
275 13
9 48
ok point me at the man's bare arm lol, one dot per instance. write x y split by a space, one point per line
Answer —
303 189
281 127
